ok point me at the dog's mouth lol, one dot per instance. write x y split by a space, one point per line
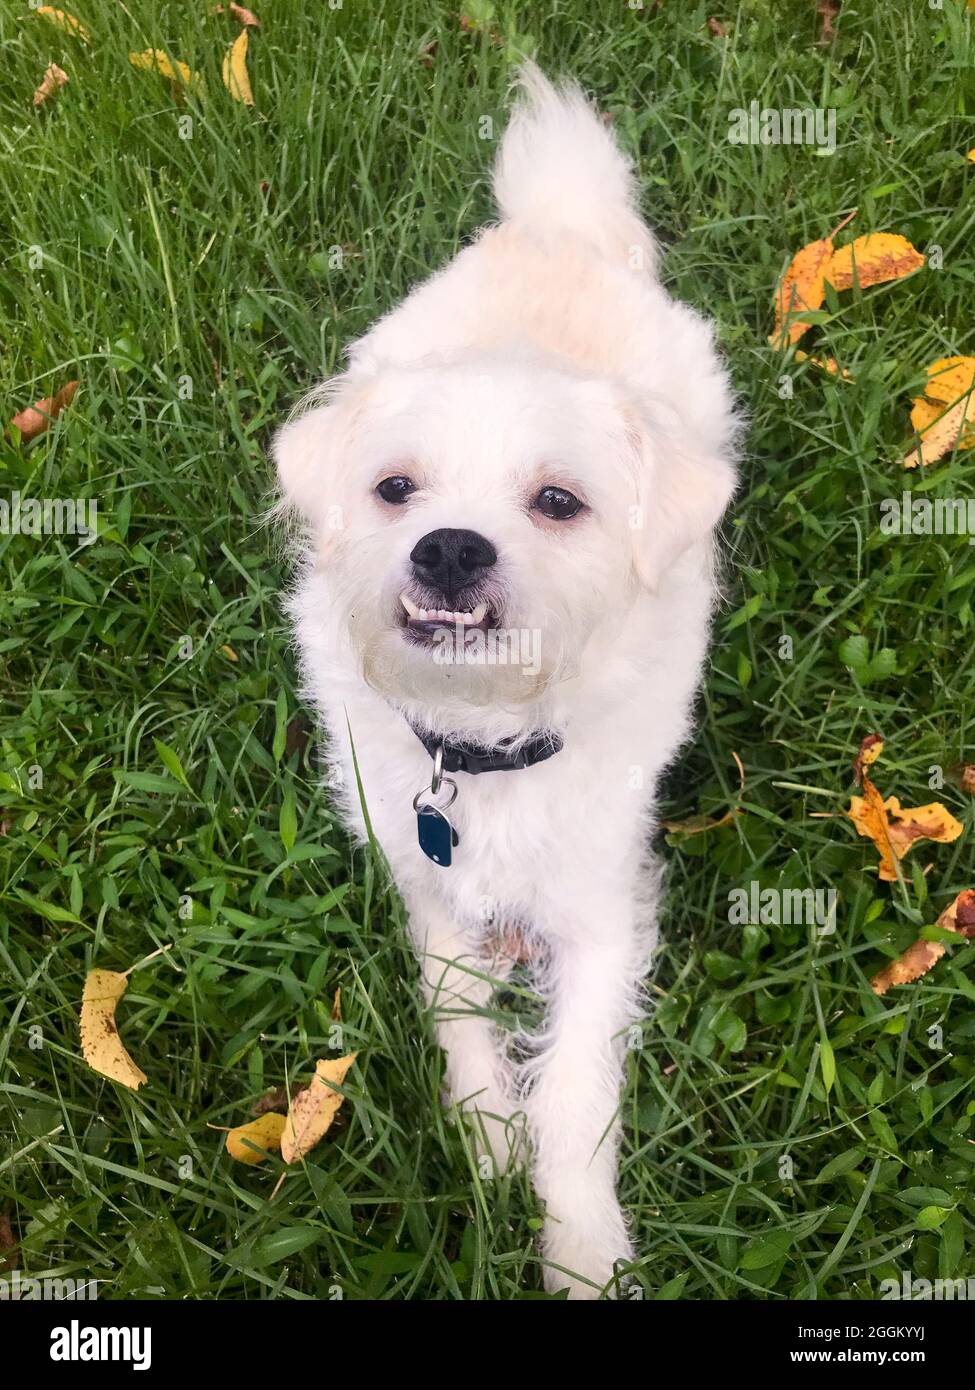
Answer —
422 625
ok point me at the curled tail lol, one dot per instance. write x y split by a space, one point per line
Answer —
559 168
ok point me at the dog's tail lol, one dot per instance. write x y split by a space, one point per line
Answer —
559 168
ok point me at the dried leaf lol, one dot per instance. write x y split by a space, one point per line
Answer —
274 1100
895 829
945 430
870 750
100 1042
717 29
828 10
243 16
235 77
65 21
967 778
155 60
9 1254
36 418
803 286
54 78
918 959
825 364
337 1006
229 653
314 1108
878 257
698 825
950 382
262 1134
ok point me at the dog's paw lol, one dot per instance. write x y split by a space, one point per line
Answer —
586 1260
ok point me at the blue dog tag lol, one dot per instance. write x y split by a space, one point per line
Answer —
436 835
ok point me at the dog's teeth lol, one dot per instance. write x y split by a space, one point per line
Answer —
479 614
411 608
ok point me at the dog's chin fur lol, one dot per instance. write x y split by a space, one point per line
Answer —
545 354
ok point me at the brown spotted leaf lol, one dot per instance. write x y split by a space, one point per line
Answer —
313 1109
877 257
919 957
100 1042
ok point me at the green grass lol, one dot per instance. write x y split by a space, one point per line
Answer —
207 259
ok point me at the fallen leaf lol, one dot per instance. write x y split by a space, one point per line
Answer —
971 155
895 829
274 1100
229 653
948 381
803 286
263 1134
918 959
947 428
155 60
314 1108
337 1006
54 78
100 1042
825 364
717 29
235 77
870 750
967 778
827 10
878 257
65 21
239 13
36 418
9 1255
699 825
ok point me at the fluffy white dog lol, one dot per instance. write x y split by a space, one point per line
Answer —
508 501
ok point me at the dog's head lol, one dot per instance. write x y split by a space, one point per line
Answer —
479 521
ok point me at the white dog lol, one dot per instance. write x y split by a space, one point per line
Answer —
503 610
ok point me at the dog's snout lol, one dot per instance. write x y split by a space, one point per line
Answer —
451 560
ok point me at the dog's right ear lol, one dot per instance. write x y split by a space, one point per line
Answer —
305 451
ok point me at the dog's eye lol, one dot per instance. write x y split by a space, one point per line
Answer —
396 490
556 503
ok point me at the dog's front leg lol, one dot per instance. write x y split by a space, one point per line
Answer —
458 990
573 1106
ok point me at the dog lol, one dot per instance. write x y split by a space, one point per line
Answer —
506 508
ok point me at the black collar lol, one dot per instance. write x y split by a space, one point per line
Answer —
474 757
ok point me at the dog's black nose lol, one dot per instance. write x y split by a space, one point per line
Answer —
451 560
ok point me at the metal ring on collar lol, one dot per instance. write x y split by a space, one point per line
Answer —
444 782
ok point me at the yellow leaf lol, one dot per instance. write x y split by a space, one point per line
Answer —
895 829
263 1133
971 156
54 78
825 364
949 379
65 21
918 959
878 256
802 287
235 77
100 1042
155 60
939 436
313 1109
229 653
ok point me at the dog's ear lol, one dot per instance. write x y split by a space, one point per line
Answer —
685 480
309 452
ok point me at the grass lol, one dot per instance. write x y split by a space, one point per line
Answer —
789 1134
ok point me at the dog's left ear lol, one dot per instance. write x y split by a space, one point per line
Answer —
685 480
